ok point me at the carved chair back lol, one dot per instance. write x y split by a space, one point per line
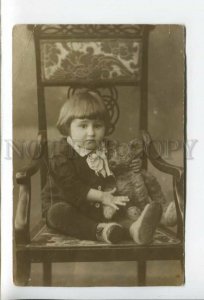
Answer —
99 57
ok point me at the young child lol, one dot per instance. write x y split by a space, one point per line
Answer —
79 173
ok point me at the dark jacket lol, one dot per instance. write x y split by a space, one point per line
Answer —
69 179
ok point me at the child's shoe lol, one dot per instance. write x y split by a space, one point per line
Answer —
110 233
142 230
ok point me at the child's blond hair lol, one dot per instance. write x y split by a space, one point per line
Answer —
83 104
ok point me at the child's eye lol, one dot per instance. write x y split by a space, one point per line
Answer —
83 125
99 125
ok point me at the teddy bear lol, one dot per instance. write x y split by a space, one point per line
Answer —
141 187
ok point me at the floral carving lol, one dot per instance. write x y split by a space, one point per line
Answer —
90 60
51 55
125 50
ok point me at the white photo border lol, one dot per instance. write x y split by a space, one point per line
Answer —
184 12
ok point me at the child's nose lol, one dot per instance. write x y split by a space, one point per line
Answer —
90 130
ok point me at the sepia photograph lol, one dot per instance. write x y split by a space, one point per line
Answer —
98 155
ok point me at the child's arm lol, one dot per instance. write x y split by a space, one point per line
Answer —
65 176
107 198
74 189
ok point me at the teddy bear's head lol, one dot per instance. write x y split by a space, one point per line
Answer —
122 154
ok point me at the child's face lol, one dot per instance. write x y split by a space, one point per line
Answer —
87 133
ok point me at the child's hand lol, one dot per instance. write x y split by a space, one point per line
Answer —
136 165
113 201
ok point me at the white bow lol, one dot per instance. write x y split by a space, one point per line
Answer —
98 162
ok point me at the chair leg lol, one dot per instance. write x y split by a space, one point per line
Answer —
182 268
47 274
23 266
141 267
182 264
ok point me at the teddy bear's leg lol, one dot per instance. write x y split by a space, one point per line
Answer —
133 213
140 191
108 212
142 231
153 187
169 217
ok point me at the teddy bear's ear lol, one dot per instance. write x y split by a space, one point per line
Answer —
136 146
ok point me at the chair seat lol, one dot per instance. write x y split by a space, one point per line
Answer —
46 237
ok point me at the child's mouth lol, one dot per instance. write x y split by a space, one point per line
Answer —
90 144
90 141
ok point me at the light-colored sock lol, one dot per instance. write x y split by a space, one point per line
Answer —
108 212
106 229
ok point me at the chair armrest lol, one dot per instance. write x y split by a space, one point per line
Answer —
23 175
22 234
23 178
178 179
26 172
157 161
22 218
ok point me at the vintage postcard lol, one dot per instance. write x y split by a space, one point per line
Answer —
98 155
102 149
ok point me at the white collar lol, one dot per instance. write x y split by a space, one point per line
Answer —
100 165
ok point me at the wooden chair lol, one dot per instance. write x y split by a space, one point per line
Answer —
96 56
